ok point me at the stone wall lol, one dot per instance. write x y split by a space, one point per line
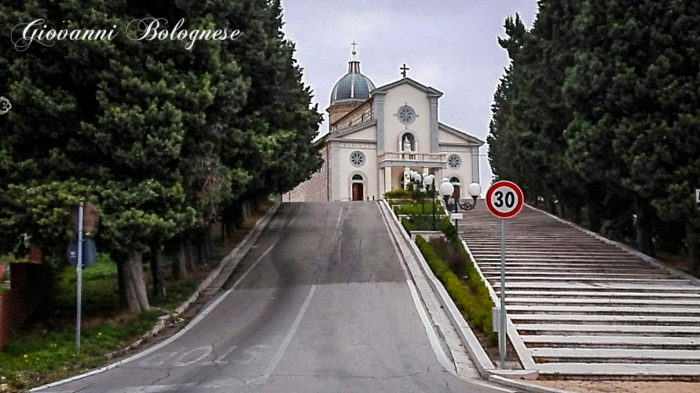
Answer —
317 187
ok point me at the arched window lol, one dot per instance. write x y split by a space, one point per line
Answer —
454 180
357 177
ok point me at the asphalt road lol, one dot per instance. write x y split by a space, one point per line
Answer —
319 304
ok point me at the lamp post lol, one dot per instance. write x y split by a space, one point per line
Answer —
447 189
417 180
429 183
474 190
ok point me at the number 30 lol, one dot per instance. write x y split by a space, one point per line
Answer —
509 199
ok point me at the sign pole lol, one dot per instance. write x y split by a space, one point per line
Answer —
79 271
502 332
505 200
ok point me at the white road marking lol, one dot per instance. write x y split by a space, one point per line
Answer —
432 336
207 351
159 359
253 356
221 360
288 339
250 269
156 347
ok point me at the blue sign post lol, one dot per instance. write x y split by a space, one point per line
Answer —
82 253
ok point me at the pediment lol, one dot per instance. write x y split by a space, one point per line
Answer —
451 135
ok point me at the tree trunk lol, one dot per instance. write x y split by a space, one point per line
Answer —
189 257
551 206
123 303
157 272
209 241
204 244
179 266
577 214
692 241
593 220
223 232
134 284
182 260
644 226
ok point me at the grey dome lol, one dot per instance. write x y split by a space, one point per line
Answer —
353 86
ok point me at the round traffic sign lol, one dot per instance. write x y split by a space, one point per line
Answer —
504 199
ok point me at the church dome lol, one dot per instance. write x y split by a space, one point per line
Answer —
353 86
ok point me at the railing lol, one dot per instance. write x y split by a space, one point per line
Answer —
423 157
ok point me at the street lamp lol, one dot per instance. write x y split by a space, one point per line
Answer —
474 190
417 180
429 183
446 190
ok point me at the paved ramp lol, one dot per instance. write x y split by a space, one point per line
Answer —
584 307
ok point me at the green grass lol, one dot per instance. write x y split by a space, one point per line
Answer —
100 288
51 351
48 348
45 351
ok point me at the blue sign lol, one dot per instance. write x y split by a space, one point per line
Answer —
89 252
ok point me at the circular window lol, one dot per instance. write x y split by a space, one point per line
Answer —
454 161
406 115
357 158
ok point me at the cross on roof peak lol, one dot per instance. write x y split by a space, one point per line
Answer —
403 70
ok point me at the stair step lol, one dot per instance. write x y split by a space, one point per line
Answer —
574 275
617 355
588 301
665 371
612 341
604 309
596 286
597 318
497 258
540 293
576 329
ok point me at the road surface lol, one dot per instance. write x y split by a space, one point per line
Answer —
319 304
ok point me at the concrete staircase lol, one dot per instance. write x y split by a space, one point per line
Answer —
584 307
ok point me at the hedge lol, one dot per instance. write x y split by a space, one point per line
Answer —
475 303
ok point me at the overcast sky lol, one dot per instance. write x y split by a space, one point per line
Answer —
450 45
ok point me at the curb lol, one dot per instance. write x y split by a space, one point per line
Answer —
645 257
523 354
160 325
513 383
477 353
481 360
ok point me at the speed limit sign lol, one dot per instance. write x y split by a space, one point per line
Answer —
504 199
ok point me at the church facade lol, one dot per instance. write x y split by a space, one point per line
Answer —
377 135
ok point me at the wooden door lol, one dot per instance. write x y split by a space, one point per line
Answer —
357 192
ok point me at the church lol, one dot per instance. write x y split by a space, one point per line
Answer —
377 135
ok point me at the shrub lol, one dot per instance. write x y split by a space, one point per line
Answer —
476 304
398 193
408 225
416 208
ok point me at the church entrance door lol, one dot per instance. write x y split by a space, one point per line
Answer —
357 192
455 193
